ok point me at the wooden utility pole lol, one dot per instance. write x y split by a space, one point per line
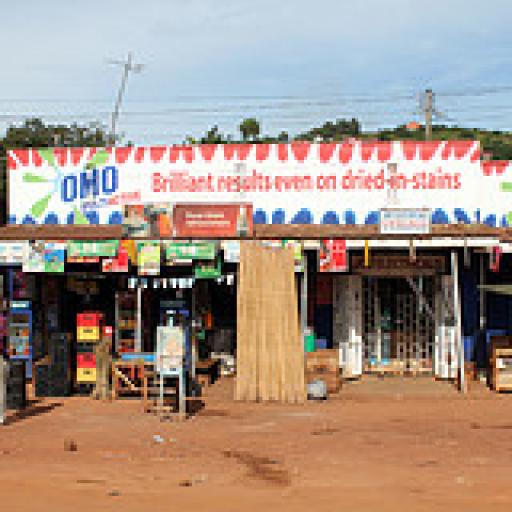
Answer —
429 110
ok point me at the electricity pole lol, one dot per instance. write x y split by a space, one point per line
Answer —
429 110
128 65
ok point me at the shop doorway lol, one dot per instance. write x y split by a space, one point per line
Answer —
398 324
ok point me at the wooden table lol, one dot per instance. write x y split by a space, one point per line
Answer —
130 376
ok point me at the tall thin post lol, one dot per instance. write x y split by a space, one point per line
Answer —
458 324
138 339
429 110
304 298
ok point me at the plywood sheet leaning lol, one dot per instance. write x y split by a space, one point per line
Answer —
270 352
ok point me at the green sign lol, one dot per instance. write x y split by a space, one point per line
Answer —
83 248
208 270
186 251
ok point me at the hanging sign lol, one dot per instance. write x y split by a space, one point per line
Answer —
208 270
213 220
12 253
333 256
297 253
149 258
170 349
188 251
34 257
82 259
93 248
54 257
405 221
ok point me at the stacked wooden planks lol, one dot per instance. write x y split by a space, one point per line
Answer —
270 351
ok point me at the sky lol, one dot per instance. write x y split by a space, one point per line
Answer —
293 64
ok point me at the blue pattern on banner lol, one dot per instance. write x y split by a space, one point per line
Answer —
350 217
92 217
51 218
504 223
12 219
461 216
440 217
330 217
28 220
372 218
259 217
303 216
115 218
490 220
71 218
279 216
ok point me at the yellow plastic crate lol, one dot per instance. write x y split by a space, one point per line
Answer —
88 333
86 375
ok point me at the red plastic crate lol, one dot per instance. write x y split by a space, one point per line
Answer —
92 319
86 361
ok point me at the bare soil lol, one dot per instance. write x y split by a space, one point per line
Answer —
379 445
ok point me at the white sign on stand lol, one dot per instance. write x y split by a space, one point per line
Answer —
405 221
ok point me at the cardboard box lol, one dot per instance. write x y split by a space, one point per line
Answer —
89 319
86 360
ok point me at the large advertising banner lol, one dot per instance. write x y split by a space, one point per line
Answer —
301 183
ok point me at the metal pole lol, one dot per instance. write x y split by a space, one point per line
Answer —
138 339
429 109
3 388
458 325
304 297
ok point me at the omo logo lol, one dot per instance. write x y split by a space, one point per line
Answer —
89 181
89 184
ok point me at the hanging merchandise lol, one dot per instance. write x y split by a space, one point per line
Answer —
185 252
148 258
494 260
92 248
117 264
34 257
231 249
298 255
333 255
208 270
13 253
136 221
160 217
54 257
366 253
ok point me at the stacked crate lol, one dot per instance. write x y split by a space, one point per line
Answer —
16 385
324 365
89 327
60 368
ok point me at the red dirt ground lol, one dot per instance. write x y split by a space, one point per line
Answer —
377 446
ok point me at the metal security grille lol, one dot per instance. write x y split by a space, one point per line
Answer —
398 324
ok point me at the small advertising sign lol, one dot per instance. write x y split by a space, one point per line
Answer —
147 220
149 258
92 248
12 253
405 221
54 257
117 264
187 251
208 270
333 256
34 259
213 220
170 348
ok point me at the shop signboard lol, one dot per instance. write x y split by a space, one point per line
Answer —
170 349
213 220
34 260
13 253
405 221
92 248
333 255
148 258
82 259
188 251
54 257
301 183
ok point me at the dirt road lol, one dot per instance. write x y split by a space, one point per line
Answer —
377 446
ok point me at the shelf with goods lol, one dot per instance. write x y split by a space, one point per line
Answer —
126 321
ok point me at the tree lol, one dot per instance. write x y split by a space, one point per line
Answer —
34 133
249 129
